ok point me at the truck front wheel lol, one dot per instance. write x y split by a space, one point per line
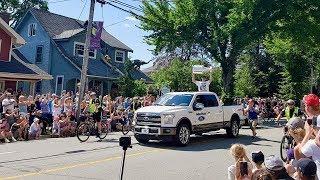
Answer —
182 137
142 140
233 130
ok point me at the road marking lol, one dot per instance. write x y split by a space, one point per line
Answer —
7 152
89 163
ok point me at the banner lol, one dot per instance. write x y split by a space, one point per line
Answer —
97 28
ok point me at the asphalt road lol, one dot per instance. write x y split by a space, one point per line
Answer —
207 157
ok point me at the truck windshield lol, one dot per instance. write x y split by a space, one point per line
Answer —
174 100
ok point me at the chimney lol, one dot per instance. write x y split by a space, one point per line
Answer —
5 16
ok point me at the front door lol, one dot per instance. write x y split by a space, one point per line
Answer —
211 115
202 117
59 84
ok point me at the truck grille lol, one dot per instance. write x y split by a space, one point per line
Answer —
146 119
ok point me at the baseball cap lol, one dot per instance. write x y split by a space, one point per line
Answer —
312 100
273 163
306 166
257 157
295 123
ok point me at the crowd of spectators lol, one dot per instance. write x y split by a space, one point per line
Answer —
25 117
303 161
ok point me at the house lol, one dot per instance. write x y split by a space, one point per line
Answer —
55 43
16 72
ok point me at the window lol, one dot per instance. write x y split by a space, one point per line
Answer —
39 54
120 56
79 50
59 81
38 86
211 101
207 100
32 29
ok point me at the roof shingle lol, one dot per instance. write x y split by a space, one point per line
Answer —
61 27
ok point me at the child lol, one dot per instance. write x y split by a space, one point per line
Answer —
4 130
56 127
35 129
258 160
239 154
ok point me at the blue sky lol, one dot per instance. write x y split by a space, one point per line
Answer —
125 31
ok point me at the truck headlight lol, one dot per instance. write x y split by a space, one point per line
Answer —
168 118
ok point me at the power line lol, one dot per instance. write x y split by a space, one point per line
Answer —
126 5
117 23
57 1
128 11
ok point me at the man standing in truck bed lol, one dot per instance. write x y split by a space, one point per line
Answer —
204 84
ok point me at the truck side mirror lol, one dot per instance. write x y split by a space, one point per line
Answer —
198 106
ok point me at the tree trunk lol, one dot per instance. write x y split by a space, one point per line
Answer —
228 66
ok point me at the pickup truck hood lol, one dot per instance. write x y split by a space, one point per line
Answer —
160 109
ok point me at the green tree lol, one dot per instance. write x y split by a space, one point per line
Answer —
140 88
18 8
245 82
219 29
178 77
296 68
126 83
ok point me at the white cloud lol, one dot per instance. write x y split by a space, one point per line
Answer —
131 18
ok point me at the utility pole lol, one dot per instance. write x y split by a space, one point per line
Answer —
85 58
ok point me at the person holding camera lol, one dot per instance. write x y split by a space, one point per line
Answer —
311 146
242 169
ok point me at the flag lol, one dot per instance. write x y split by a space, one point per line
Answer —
96 35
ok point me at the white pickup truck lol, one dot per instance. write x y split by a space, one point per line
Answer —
178 115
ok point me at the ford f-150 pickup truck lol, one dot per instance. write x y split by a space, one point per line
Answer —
178 115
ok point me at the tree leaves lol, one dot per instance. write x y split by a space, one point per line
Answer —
18 8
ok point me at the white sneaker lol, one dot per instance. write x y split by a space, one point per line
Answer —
6 140
14 140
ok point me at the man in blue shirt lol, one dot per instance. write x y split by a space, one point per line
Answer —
252 113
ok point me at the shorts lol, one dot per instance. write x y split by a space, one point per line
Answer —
252 120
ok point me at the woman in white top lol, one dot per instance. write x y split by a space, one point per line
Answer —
56 111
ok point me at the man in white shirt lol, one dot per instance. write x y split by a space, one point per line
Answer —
204 84
8 103
311 147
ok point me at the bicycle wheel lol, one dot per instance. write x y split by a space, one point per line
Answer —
104 130
285 145
83 132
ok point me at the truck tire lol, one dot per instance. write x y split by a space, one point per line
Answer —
182 137
233 130
142 140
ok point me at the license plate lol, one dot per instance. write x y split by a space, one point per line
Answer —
145 131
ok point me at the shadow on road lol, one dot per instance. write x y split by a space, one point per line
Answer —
212 142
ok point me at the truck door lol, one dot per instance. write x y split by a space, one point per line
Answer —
215 111
201 116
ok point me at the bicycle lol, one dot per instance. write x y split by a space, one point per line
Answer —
88 127
287 142
126 124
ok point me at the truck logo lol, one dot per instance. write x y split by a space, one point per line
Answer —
201 118
146 118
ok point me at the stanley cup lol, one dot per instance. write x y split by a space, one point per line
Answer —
200 69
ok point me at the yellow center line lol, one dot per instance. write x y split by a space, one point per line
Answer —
71 166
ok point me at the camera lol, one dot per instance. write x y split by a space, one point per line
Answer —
125 142
243 168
